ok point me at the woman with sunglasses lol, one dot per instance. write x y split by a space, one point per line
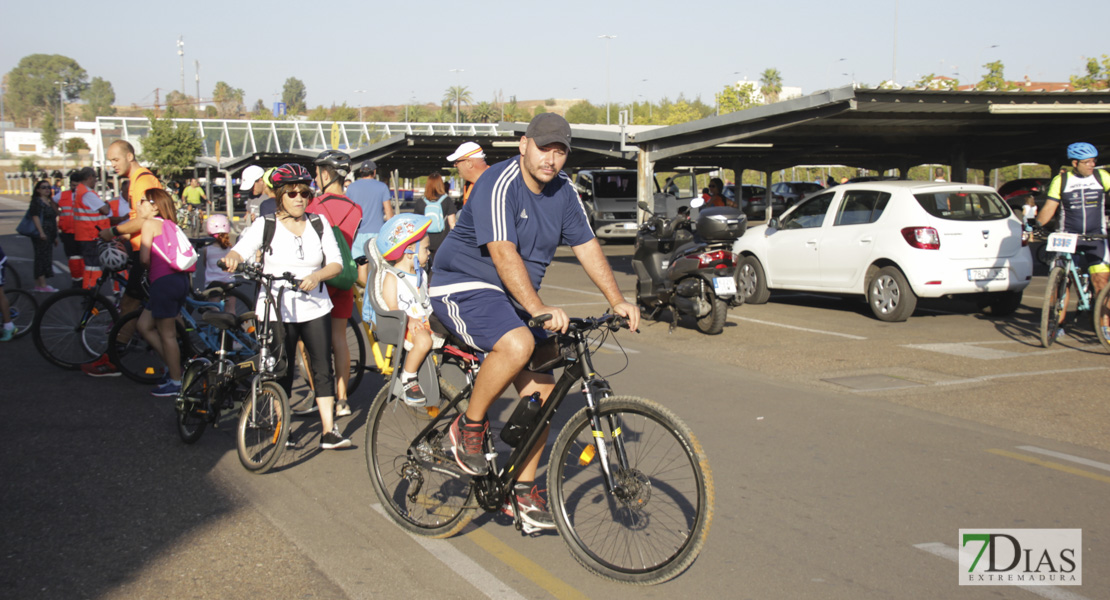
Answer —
44 214
168 288
313 258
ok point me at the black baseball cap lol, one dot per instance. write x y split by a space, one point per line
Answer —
548 128
367 167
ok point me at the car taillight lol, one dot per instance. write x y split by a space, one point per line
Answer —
924 238
722 258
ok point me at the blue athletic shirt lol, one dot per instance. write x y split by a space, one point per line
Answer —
502 208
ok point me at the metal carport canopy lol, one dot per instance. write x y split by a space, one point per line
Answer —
887 129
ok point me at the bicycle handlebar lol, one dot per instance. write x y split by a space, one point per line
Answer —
253 270
613 322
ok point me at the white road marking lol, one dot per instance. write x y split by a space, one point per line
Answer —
566 289
1075 459
1021 374
1051 592
461 564
975 350
806 329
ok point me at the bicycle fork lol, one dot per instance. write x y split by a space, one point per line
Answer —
600 387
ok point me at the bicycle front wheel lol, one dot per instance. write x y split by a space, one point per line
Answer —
21 308
263 428
419 494
192 402
71 328
134 357
654 525
1102 316
1055 304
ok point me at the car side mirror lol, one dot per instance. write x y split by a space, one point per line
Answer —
773 223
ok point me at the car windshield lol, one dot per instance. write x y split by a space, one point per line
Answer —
964 206
615 185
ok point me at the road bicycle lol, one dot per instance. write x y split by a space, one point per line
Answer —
22 307
71 326
1063 279
134 357
629 485
209 387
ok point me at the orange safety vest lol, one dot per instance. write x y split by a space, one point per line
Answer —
87 222
65 212
113 204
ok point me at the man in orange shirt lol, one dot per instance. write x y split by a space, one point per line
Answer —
470 160
121 155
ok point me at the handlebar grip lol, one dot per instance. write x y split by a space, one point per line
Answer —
221 264
539 320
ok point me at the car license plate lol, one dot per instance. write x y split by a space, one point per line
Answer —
629 225
986 274
724 286
1062 242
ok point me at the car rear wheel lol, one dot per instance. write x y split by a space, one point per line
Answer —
890 296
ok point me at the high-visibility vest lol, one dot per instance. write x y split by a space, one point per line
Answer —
113 206
65 212
87 222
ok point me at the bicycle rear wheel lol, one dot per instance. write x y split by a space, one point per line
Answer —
1101 313
71 327
418 494
21 308
1055 307
356 345
192 402
655 525
263 428
134 357
11 277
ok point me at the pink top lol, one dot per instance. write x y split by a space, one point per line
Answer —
158 266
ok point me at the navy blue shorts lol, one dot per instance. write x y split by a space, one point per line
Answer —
167 295
481 317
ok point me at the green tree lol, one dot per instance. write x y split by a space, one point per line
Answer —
418 113
457 95
260 112
770 85
444 115
678 112
539 110
736 97
28 165
343 113
584 112
933 82
1097 77
99 98
228 100
31 91
318 114
484 112
73 144
512 111
170 148
293 94
994 79
49 134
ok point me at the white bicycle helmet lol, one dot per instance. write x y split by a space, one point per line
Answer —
218 224
113 255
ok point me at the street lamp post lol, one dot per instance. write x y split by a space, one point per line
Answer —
61 105
607 38
458 89
360 104
196 63
181 53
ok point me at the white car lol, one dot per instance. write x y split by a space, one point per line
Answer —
892 241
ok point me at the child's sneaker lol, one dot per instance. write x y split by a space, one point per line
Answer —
6 335
414 396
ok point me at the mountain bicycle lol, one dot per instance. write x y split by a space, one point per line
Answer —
196 336
208 387
1063 278
71 326
22 307
1101 314
629 485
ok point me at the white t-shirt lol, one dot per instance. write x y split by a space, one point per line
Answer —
416 308
1029 211
300 256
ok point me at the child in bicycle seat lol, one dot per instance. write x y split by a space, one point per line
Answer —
405 287
220 228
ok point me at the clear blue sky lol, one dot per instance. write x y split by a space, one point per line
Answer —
398 51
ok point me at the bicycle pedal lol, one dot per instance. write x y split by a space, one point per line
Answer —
528 529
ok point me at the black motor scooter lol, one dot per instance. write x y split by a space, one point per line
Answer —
687 265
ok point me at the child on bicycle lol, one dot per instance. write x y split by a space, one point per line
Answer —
405 287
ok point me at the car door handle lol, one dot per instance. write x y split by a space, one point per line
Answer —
811 242
866 240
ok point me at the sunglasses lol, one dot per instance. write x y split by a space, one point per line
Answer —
307 195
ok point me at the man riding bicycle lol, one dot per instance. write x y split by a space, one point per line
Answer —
488 273
1080 195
